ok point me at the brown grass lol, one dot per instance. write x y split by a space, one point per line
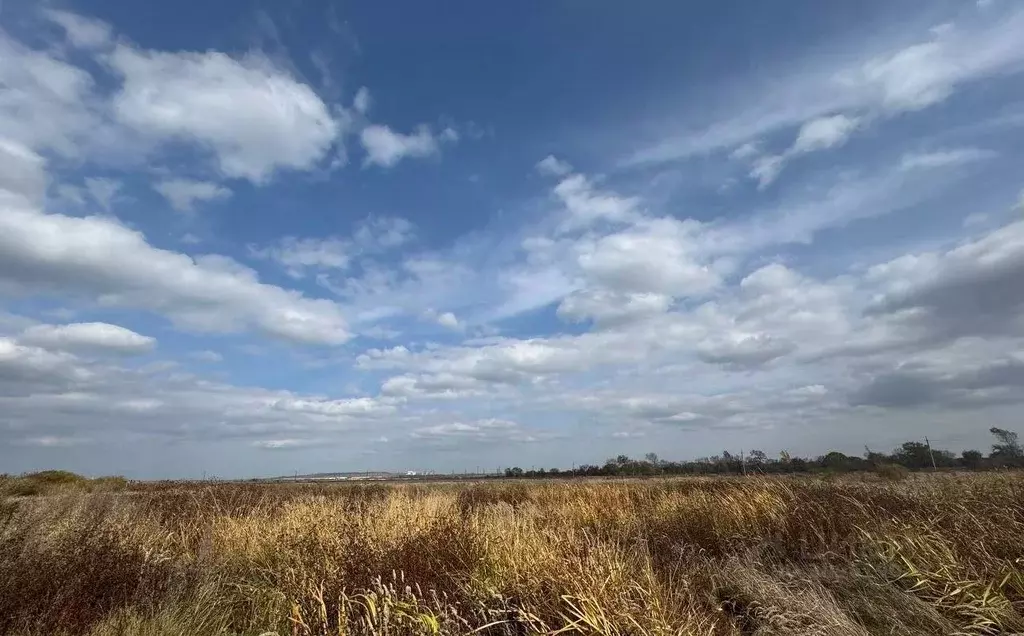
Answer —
759 556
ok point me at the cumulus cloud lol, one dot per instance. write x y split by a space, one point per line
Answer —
88 336
48 104
55 395
609 308
553 167
971 289
988 383
586 205
656 256
741 351
25 368
252 115
384 147
183 194
102 258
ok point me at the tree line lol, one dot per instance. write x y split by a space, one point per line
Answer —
1006 452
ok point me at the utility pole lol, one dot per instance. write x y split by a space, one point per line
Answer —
743 462
930 453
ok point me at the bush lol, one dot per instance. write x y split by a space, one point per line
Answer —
52 481
892 472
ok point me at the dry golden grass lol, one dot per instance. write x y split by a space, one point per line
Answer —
767 556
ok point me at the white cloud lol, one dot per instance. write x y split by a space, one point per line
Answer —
824 132
285 444
553 167
206 356
972 289
362 100
608 308
23 366
586 205
943 158
443 386
741 351
358 407
766 169
81 31
300 256
183 194
88 336
748 150
385 147
101 258
485 430
903 76
46 103
253 116
448 319
815 135
22 171
655 256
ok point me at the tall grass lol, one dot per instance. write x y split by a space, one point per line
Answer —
927 555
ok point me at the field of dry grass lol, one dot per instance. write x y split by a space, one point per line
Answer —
933 554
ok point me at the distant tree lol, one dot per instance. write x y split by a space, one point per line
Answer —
514 472
944 458
913 455
873 458
1007 450
798 465
836 461
971 459
651 458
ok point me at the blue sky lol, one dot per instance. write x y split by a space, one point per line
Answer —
251 238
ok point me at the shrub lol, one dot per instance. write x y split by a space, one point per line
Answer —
892 472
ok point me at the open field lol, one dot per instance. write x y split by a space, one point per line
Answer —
930 554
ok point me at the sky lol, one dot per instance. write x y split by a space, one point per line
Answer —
255 238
